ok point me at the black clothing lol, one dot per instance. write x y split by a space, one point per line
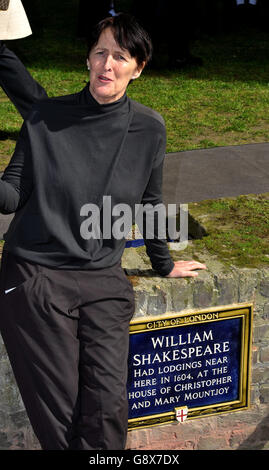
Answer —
17 83
66 334
72 151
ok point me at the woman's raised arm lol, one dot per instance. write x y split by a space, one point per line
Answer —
17 83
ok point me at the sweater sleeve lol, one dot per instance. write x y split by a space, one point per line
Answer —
17 82
156 245
16 183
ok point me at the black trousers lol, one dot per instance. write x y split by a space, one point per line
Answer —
66 335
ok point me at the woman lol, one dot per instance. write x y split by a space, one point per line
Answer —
65 301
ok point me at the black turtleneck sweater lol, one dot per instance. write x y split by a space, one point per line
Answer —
72 151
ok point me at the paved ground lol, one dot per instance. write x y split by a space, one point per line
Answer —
197 175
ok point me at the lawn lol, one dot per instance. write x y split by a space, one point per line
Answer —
223 102
237 228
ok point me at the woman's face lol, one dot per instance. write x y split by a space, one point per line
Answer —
111 69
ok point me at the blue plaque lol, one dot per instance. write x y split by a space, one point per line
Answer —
198 360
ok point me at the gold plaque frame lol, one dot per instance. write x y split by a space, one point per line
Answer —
213 314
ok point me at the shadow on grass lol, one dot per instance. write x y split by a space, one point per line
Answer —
4 135
229 58
238 55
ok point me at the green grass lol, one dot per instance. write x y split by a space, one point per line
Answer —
237 229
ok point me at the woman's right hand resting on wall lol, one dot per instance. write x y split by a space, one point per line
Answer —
186 269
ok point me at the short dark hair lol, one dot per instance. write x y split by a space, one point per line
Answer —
127 33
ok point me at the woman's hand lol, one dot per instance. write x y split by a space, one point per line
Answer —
186 269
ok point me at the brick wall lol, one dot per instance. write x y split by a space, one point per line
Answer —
219 285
